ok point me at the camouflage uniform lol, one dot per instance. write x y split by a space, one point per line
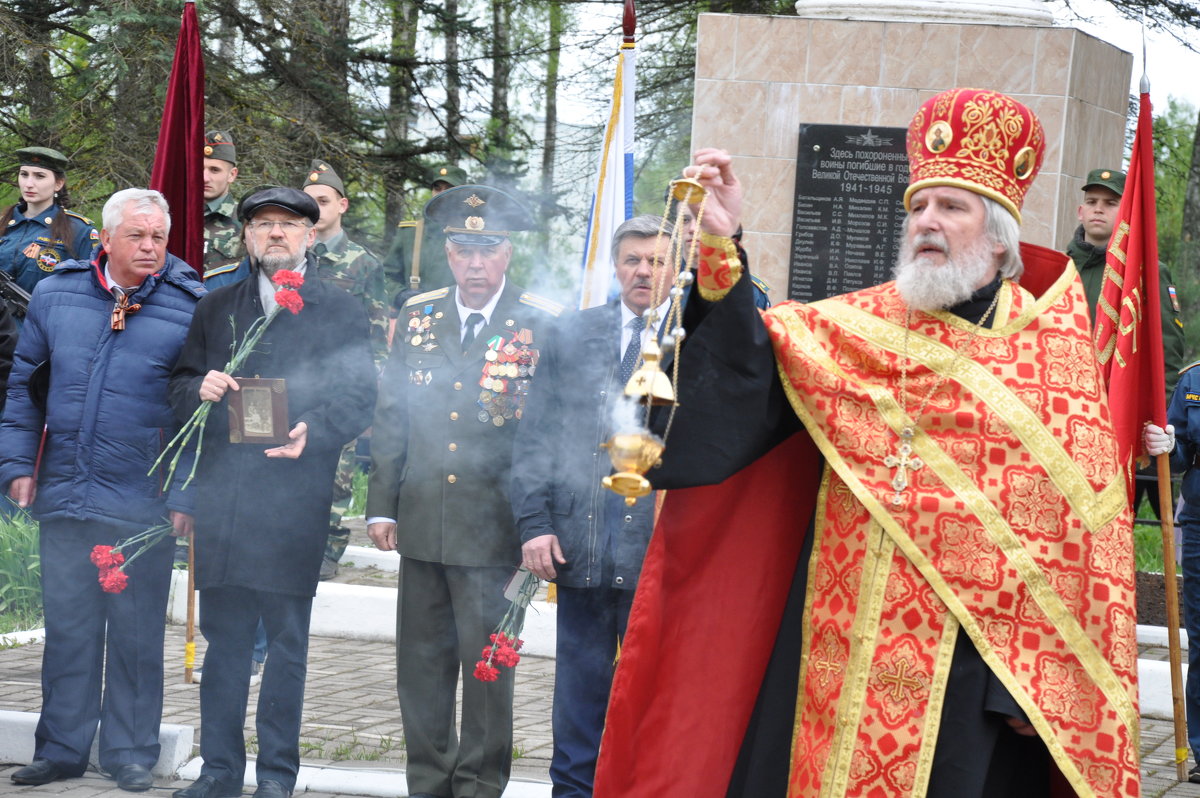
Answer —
223 248
352 267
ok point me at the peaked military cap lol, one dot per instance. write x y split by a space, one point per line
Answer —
447 173
219 144
479 215
1111 179
322 174
290 199
44 157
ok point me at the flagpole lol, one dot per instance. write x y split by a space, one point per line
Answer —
1167 521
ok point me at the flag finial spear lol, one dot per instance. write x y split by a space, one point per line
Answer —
629 21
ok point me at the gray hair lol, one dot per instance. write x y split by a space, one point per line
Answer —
645 226
133 200
1003 229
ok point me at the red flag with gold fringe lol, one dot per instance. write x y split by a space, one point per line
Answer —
179 159
1128 316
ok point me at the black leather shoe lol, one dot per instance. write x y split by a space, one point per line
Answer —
133 778
207 787
271 789
39 771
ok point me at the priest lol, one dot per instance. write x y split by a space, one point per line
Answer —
915 576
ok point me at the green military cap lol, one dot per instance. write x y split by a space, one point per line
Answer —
219 144
447 173
322 174
44 157
1111 179
479 215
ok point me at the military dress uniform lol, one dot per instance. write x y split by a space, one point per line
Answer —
28 249
441 458
28 252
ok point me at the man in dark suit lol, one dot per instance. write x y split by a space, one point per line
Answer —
573 531
452 394
263 512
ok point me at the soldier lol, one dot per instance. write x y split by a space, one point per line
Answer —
223 249
442 444
350 266
1089 249
432 270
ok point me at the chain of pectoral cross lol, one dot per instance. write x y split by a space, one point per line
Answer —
904 460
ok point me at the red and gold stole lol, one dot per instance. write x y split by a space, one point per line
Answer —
1015 527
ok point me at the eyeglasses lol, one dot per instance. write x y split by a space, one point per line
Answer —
287 227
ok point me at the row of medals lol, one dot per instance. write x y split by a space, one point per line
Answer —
505 380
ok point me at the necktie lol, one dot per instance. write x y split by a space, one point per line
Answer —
473 321
634 350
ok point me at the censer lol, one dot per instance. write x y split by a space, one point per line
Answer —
634 453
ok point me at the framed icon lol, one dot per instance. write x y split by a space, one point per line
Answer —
258 412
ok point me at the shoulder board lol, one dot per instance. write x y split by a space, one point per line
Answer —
79 216
407 223
228 267
437 293
541 303
762 284
1189 367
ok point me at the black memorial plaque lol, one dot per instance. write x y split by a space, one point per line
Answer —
849 207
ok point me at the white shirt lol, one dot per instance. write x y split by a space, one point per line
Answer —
267 289
627 316
486 311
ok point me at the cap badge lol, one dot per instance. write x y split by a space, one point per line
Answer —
208 150
1105 175
474 201
312 178
475 222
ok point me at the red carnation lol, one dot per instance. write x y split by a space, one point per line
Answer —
499 638
485 672
289 300
113 580
506 656
104 557
288 278
516 644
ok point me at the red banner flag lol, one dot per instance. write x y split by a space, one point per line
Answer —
179 160
1128 316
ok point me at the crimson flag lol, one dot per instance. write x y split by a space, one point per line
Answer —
179 159
1128 316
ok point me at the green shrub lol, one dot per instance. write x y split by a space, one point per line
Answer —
20 573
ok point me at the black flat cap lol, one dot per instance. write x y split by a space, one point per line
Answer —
479 215
290 199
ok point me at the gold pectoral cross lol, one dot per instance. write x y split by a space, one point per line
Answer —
902 464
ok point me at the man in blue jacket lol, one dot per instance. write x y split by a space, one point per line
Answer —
573 531
105 333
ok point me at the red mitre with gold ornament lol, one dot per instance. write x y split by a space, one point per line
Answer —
976 139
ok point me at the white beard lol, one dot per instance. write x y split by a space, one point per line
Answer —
924 285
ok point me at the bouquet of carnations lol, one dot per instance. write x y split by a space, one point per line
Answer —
286 298
505 641
112 560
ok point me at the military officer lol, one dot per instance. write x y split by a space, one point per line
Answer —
38 232
433 272
350 266
223 248
452 394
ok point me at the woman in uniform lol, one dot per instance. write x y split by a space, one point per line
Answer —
39 232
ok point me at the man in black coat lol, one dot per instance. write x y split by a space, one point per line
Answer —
574 532
263 513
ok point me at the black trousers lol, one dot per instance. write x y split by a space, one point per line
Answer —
228 619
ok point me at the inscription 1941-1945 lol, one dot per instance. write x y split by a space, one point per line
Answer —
849 206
